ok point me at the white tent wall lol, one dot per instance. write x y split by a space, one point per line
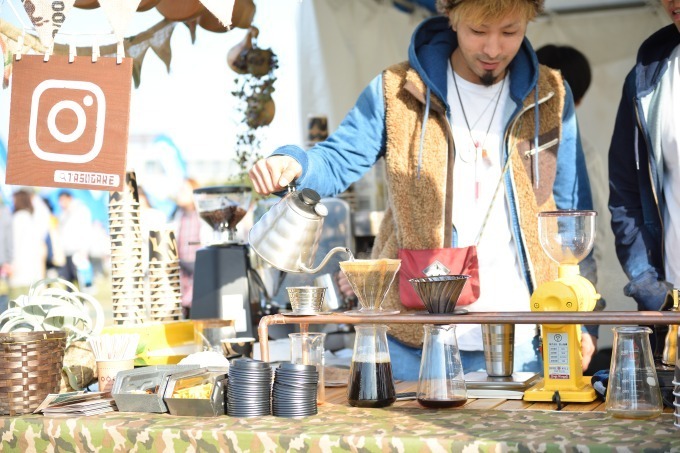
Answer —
345 43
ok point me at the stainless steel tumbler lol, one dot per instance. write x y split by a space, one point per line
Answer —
499 348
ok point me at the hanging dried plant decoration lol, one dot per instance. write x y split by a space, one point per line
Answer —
254 87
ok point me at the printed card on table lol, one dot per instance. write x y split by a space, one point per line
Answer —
69 122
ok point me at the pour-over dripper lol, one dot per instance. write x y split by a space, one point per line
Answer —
370 280
567 236
223 207
440 294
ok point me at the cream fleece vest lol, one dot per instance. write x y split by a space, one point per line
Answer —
416 212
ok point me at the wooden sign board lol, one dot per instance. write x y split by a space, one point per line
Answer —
68 124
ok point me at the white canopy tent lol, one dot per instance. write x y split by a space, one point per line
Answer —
344 44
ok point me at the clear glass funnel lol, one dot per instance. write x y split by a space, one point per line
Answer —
567 236
370 280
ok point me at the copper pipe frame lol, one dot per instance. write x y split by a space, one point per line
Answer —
510 317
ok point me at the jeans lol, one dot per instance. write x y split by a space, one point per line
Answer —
406 360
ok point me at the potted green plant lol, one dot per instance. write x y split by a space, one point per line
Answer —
58 305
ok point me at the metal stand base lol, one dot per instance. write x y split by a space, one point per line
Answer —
221 286
584 394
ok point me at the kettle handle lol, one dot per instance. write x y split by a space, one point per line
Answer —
325 259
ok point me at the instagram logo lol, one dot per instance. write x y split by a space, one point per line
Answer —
83 100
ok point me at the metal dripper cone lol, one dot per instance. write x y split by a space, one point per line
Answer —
439 294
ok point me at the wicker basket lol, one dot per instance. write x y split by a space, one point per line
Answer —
30 369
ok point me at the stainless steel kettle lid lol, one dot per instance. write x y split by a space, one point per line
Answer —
308 201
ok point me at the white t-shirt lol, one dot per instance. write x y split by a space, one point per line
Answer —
502 286
670 146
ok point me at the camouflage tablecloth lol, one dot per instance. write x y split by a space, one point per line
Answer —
341 428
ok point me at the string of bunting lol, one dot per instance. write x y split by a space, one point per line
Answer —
47 17
156 38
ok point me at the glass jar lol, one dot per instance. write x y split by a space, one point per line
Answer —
371 383
633 390
441 383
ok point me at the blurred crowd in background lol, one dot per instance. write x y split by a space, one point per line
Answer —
57 235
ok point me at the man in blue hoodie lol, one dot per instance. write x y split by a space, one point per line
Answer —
644 169
475 136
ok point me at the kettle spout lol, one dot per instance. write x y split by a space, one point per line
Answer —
332 252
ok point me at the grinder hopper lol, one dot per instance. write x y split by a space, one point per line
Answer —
223 207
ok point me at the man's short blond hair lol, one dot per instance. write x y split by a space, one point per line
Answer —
480 11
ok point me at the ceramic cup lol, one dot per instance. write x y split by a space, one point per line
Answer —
238 347
108 369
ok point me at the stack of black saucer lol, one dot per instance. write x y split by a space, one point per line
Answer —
294 393
249 389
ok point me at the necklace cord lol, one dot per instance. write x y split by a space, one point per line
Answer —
467 123
507 163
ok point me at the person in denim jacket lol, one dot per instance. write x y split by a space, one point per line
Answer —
644 169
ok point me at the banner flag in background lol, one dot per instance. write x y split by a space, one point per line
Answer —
222 9
119 13
47 16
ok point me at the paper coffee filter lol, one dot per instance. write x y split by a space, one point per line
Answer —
370 279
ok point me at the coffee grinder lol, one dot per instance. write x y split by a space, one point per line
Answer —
221 287
566 237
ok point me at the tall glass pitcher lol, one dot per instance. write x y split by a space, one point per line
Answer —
371 383
441 383
307 348
633 390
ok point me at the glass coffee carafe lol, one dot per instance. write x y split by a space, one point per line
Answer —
371 383
440 382
633 390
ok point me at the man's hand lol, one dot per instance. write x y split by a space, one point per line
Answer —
588 348
274 173
344 287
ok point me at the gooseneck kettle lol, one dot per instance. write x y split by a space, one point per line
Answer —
287 236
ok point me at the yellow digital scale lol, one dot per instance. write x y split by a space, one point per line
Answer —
567 238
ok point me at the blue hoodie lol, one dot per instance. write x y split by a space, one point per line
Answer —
331 166
636 198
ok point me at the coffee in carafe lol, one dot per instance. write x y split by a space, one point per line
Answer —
440 382
371 383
